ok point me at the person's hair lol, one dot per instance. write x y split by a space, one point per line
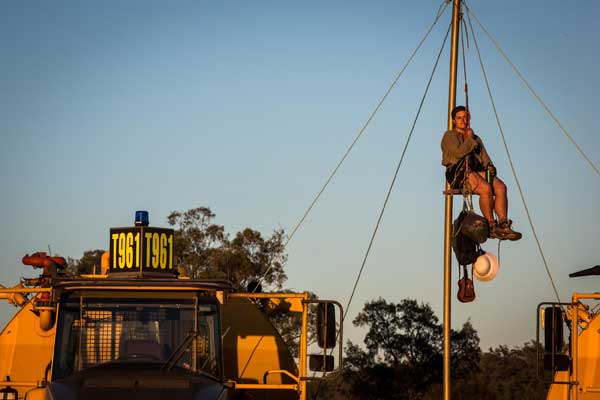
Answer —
456 110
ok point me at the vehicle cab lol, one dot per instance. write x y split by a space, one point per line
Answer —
166 338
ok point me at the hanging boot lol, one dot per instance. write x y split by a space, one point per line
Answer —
503 231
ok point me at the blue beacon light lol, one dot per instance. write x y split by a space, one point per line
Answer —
141 218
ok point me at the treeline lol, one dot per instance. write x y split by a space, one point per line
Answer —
402 359
401 355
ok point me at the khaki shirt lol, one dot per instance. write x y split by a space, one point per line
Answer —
455 147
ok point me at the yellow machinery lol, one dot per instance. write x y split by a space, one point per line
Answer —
138 330
574 362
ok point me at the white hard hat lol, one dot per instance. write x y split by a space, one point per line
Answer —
486 267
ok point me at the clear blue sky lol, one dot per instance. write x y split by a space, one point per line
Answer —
110 107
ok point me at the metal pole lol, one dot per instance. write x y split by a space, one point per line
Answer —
448 219
303 347
574 389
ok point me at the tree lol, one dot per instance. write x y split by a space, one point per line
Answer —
403 352
402 360
87 264
408 334
505 373
203 249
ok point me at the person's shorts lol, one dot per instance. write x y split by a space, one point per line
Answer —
455 174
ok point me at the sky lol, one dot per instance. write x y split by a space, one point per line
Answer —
246 107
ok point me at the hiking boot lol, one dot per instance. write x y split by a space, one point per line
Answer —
503 231
494 233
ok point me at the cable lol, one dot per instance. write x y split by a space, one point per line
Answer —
465 32
499 263
389 192
361 131
440 12
387 197
512 167
534 93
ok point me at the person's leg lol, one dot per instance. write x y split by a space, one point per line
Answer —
480 187
503 229
500 200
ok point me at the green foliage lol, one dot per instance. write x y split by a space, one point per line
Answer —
403 355
405 341
204 250
505 374
87 264
409 334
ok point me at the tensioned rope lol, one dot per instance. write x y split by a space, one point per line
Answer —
465 36
387 197
512 167
438 15
391 187
534 93
366 124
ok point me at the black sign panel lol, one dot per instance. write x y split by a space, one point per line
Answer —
141 249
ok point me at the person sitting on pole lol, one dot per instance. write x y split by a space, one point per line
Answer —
468 164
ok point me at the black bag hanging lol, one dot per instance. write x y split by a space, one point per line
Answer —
474 226
466 249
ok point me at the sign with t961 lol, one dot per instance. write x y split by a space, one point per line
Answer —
141 248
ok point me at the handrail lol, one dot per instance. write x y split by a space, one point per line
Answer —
27 290
280 295
280 371
266 386
19 383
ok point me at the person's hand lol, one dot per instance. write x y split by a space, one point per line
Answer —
492 169
469 132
